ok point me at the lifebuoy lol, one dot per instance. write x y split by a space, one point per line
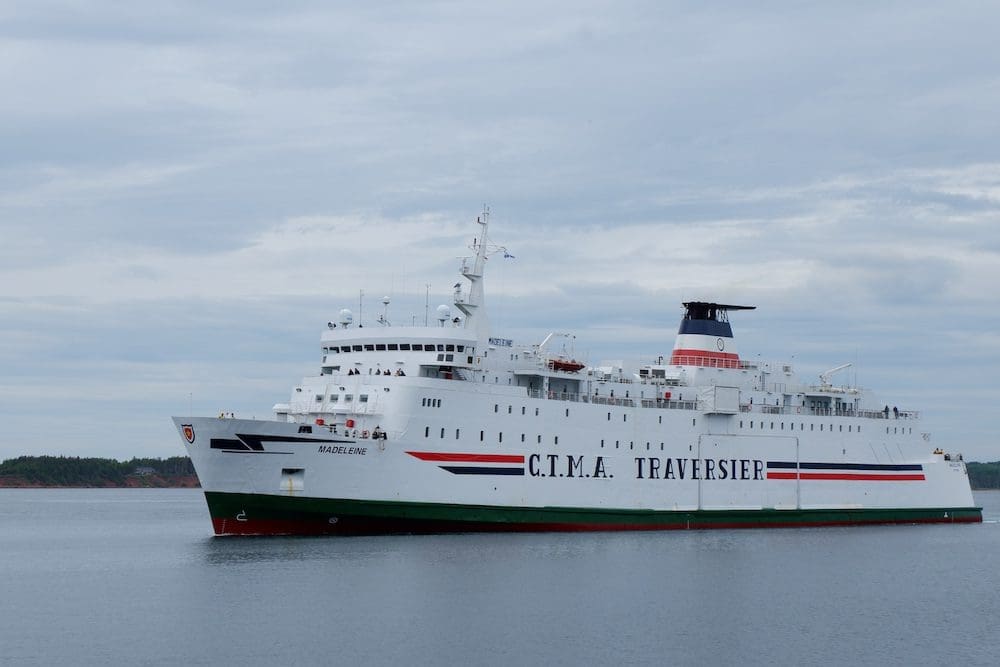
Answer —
349 423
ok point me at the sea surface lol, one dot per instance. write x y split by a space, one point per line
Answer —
134 576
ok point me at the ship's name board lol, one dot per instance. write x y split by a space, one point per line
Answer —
502 342
340 449
646 467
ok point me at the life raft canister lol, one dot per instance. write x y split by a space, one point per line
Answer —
319 421
666 395
349 423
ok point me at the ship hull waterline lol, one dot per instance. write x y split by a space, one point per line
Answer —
258 514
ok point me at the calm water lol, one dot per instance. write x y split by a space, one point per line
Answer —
133 576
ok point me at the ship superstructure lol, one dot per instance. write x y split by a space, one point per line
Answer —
449 427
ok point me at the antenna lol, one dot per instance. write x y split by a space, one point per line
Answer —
361 299
427 301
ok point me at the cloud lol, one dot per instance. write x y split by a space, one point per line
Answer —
187 192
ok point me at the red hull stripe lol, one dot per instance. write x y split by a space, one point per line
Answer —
468 458
849 476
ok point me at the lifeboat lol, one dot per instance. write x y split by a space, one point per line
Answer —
565 365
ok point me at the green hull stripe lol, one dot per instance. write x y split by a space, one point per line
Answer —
227 506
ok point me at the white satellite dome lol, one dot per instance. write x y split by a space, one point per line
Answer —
346 317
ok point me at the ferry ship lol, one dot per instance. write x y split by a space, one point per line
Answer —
452 428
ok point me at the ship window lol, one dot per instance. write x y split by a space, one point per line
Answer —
457 433
348 397
440 348
741 423
496 407
437 402
782 426
440 357
772 426
418 347
481 436
449 357
647 446
380 347
567 412
631 444
510 409
403 347
369 347
357 348
393 347
449 348
539 440
848 428
334 398
500 436
602 443
305 429
811 426
442 433
427 431
616 444
523 410
859 428
624 417
536 412
661 446
363 398
661 419
841 428
693 422
609 416
751 424
319 398
555 440
522 437
460 348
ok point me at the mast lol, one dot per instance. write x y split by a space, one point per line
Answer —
473 306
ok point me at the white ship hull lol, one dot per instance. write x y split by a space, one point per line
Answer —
431 429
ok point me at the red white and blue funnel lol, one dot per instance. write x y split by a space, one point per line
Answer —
705 337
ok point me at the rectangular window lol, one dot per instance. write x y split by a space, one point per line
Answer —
555 440
334 398
500 436
418 347
393 347
319 398
522 437
442 433
449 348
380 347
403 347
460 348
363 398
357 348
539 440
440 348
348 398
369 347
449 357
427 431
481 436
457 434
523 410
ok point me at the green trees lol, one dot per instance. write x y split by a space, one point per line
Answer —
77 471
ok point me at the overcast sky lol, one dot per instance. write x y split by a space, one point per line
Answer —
189 191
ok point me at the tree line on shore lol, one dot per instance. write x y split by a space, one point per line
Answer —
76 471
